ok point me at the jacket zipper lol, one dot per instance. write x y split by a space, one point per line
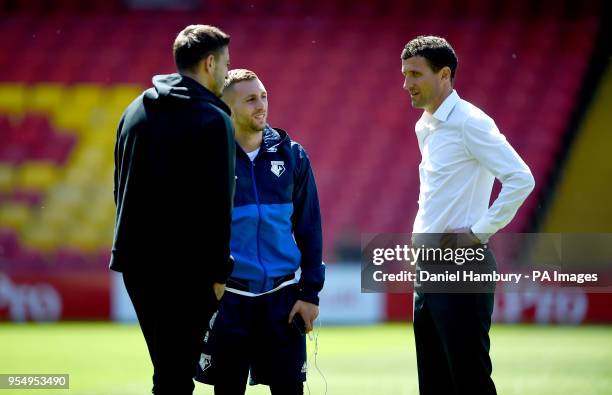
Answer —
263 285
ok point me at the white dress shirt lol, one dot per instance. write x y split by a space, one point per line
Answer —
462 151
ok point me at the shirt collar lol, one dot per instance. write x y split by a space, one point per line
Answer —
441 114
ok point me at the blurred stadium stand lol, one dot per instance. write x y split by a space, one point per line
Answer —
68 69
587 173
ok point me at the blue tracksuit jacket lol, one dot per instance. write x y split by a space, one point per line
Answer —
276 221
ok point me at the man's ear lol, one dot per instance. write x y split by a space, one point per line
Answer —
445 73
209 63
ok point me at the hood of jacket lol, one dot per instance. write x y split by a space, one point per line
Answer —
273 138
179 88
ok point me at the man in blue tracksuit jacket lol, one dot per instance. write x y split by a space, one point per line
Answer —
276 231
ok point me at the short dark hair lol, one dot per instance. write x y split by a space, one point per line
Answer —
197 42
436 50
238 75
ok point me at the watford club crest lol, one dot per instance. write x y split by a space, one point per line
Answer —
205 361
278 167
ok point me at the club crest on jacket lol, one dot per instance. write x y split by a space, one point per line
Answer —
277 167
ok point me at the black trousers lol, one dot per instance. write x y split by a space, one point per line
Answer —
451 332
173 311
238 387
251 334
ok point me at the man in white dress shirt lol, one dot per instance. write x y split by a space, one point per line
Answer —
462 153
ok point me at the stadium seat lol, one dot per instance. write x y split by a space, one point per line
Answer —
45 97
36 175
41 237
12 98
7 178
332 70
14 215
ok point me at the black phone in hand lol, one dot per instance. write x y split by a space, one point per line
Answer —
299 324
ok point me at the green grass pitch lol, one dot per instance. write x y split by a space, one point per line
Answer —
105 359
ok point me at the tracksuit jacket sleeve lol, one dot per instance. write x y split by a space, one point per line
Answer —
307 230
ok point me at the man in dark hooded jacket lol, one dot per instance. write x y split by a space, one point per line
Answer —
174 187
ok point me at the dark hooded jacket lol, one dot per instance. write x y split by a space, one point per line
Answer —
174 181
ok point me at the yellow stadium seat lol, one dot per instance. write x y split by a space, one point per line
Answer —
36 175
45 97
87 154
65 197
101 211
103 176
83 237
582 197
115 111
89 94
102 136
109 168
92 167
74 120
56 214
103 121
120 95
14 215
7 177
41 237
12 98
77 176
83 102
105 237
